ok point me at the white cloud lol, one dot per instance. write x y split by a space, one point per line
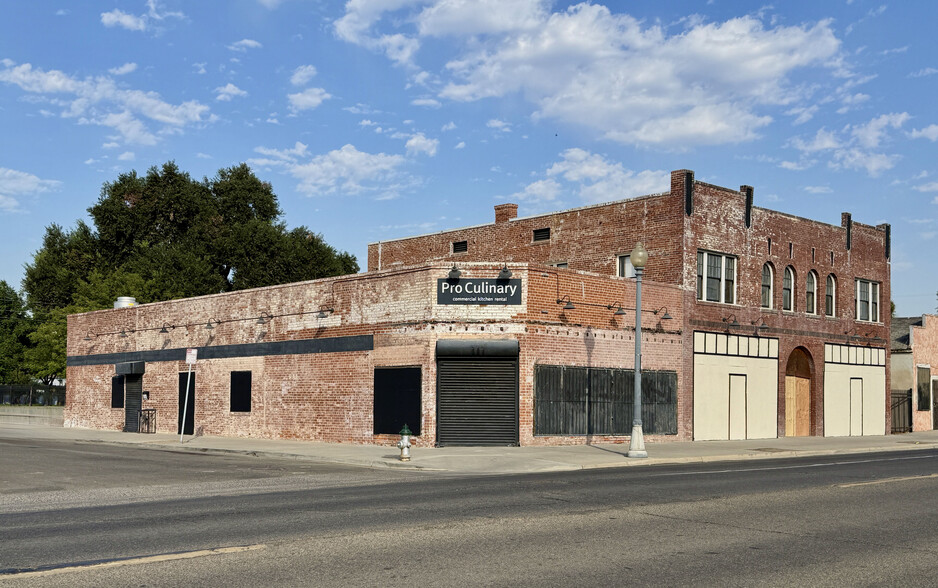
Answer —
346 170
822 141
626 80
930 132
818 189
448 126
870 134
853 147
600 180
928 235
199 67
428 102
421 144
16 183
474 17
9 204
227 92
201 155
116 18
498 125
460 145
929 187
541 191
802 113
928 71
307 99
101 101
126 156
244 44
123 70
13 182
302 75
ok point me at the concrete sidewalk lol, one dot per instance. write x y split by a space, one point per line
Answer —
490 460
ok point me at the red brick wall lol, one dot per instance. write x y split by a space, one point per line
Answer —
718 224
329 396
924 352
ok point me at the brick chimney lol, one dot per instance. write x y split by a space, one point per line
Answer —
505 212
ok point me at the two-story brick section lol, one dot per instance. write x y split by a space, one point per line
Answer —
786 319
755 324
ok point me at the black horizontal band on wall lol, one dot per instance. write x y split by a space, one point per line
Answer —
295 347
477 348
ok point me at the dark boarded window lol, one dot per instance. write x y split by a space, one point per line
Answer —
240 391
117 392
542 234
924 388
598 401
397 400
460 246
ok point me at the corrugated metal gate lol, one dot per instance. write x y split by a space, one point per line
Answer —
572 400
133 402
477 392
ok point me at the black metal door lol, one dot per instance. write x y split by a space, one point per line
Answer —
133 402
477 401
934 399
183 407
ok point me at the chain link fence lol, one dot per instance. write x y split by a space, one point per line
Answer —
32 395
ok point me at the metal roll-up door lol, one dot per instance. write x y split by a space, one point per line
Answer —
477 393
133 402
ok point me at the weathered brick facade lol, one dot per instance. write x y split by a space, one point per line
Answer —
328 396
695 216
313 372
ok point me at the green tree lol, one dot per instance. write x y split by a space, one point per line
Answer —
15 326
162 236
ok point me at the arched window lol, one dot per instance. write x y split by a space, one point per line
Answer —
768 280
788 288
810 291
830 295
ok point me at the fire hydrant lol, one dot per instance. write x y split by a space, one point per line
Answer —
404 443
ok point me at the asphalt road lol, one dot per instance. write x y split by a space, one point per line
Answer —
156 518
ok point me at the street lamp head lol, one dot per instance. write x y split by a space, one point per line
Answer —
639 256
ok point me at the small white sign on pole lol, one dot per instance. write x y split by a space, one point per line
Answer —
191 355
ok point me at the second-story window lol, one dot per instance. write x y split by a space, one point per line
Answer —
867 301
625 267
716 277
810 293
830 295
788 288
768 278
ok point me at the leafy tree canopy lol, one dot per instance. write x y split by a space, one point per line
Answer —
157 237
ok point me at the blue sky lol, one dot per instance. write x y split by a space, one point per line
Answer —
377 119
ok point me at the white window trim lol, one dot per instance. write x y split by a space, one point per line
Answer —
833 293
723 257
629 269
811 274
874 295
771 287
794 284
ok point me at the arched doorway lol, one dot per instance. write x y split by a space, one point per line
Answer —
798 394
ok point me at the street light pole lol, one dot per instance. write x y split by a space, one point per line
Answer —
638 257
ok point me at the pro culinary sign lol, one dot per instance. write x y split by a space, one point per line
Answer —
478 291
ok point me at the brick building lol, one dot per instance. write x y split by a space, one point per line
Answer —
815 296
756 324
353 359
914 370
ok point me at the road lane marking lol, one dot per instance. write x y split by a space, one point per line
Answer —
799 466
887 481
133 561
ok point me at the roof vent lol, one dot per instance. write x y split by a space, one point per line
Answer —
125 302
